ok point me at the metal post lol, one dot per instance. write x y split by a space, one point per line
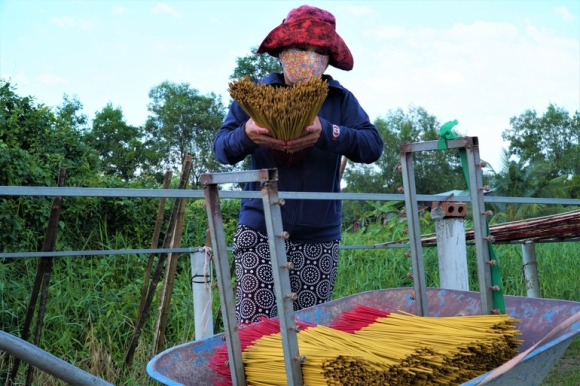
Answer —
480 227
227 301
484 261
276 236
280 266
412 210
451 248
531 269
202 295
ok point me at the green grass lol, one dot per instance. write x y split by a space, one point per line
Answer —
567 370
92 304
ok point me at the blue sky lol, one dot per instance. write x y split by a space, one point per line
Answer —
480 62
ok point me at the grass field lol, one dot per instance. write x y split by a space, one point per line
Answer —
92 301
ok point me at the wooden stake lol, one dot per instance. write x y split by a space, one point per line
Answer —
170 268
42 279
154 240
156 276
343 163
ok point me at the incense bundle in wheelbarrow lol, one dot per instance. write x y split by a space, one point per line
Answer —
466 346
285 111
369 346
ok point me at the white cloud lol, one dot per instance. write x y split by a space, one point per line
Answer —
564 13
478 72
67 21
359 10
118 10
164 8
87 25
390 32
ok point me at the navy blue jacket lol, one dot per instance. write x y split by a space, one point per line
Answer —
308 221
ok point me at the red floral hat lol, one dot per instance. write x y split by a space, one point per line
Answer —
310 26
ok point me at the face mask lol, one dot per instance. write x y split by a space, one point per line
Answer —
299 65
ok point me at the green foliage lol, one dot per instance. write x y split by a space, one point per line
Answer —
35 143
435 171
255 66
527 179
553 137
567 371
184 122
92 302
120 146
70 111
547 162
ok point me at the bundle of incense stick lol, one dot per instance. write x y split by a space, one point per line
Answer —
369 346
285 111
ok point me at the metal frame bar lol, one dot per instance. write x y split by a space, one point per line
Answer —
412 210
470 144
479 226
44 191
280 267
276 236
224 280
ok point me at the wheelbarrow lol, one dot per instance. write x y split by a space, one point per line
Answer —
541 320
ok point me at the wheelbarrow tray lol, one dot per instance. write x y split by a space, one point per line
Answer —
187 364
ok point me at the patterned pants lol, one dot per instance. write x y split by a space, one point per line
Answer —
312 279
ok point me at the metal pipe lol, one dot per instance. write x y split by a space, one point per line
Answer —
482 253
411 208
282 288
173 193
224 279
47 362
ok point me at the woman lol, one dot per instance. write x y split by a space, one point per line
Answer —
306 43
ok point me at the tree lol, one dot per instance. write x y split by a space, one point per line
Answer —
553 137
435 171
70 111
119 145
527 179
183 121
255 65
35 142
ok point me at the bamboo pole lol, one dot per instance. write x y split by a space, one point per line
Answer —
155 278
170 268
41 280
154 240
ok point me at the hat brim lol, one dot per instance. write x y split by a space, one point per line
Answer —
312 33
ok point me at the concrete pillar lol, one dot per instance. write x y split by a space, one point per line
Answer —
531 269
451 247
202 295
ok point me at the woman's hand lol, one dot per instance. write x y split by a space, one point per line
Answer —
262 136
312 134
